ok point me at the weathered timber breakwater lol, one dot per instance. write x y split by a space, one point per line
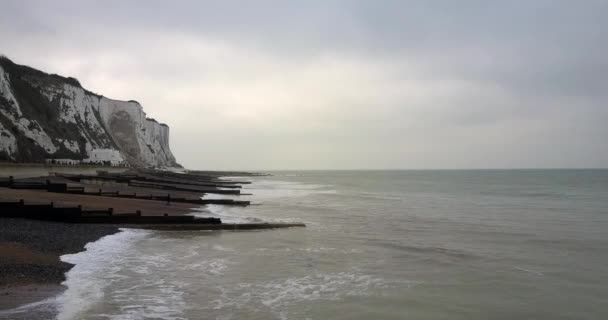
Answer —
129 192
159 189
44 217
49 212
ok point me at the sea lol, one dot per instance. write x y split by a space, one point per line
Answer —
428 244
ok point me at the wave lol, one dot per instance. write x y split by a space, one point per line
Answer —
278 295
110 261
554 195
264 190
226 214
430 250
530 271
319 250
373 196
259 192
94 270
44 309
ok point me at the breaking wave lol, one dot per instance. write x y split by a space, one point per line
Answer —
259 192
278 295
95 269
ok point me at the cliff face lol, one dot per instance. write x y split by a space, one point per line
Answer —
45 117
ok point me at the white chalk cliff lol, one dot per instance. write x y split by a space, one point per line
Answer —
47 117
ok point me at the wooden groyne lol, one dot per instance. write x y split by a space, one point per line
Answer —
221 226
126 178
61 187
204 176
167 186
146 181
51 212
64 188
131 199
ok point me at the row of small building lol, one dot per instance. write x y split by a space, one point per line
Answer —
75 162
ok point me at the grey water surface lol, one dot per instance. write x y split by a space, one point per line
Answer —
479 244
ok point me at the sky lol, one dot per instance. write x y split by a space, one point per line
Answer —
330 84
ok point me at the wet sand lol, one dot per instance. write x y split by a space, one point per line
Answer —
15 296
30 268
30 250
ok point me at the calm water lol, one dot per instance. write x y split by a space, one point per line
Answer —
530 244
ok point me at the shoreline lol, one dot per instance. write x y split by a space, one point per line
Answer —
31 269
21 296
31 246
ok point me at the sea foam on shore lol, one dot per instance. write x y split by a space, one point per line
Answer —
93 271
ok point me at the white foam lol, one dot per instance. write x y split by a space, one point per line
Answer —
277 295
46 306
165 301
208 196
222 248
538 273
226 213
94 270
211 267
263 190
318 250
321 250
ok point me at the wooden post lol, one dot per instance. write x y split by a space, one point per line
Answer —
99 191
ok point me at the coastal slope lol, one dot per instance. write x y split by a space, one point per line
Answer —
50 118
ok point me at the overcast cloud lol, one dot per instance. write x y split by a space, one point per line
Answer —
340 84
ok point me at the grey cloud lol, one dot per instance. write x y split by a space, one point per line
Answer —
330 84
